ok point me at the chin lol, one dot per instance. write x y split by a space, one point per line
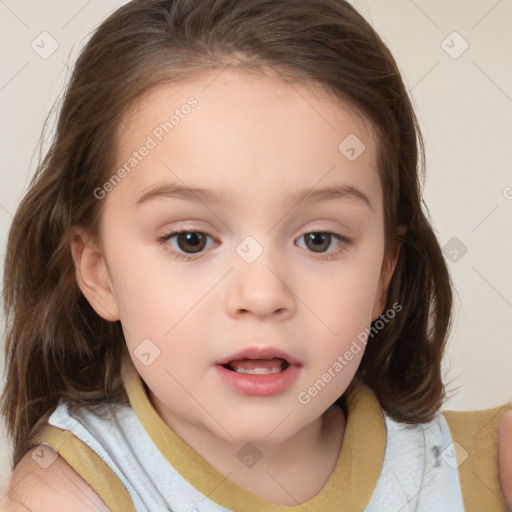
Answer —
257 428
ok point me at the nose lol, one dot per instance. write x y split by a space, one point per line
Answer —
260 289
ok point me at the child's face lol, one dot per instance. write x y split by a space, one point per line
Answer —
256 281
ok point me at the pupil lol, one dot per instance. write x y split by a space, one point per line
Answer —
191 239
319 240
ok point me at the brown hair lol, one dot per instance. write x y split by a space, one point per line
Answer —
57 347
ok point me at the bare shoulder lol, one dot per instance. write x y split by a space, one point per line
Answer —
43 481
505 456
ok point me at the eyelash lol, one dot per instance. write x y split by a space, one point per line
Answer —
347 242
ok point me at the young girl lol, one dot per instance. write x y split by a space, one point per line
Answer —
222 293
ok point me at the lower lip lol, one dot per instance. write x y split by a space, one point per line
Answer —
259 385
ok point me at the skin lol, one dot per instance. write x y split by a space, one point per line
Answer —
259 140
505 457
279 141
33 488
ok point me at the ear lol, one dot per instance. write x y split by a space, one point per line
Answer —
92 275
386 273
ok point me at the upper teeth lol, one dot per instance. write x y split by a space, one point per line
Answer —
258 371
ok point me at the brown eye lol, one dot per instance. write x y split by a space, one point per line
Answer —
191 241
186 244
318 241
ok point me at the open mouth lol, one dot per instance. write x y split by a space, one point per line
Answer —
258 372
257 366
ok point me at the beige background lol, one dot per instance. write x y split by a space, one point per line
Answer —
463 101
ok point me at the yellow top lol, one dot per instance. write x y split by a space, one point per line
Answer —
348 489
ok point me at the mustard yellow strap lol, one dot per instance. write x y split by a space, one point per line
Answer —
475 440
348 489
89 466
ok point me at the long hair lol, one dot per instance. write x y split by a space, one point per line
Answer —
58 347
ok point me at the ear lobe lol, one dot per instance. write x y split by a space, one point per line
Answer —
92 275
387 270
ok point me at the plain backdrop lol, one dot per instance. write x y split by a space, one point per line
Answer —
455 60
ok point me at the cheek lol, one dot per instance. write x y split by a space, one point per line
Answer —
339 339
343 303
342 294
140 285
346 296
157 299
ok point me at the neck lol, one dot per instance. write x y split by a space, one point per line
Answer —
283 474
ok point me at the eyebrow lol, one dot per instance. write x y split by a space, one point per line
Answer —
203 195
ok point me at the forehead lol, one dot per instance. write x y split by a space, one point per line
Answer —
250 90
246 132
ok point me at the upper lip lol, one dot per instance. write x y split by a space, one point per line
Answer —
260 353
